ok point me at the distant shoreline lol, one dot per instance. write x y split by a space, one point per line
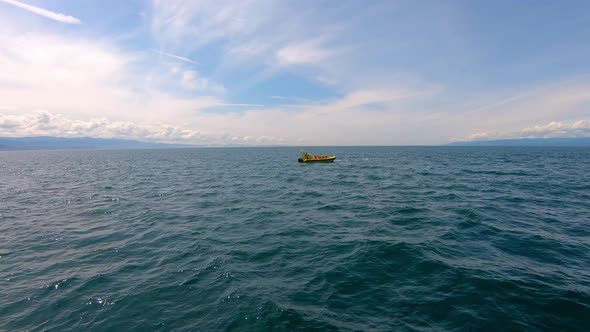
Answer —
549 142
46 143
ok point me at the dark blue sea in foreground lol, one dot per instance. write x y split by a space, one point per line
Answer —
247 239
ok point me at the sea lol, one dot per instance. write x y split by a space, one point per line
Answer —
248 239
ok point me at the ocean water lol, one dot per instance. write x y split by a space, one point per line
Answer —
247 239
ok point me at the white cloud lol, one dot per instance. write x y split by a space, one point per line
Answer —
265 38
173 74
248 49
479 136
579 128
44 12
497 116
44 61
291 99
43 123
202 22
343 121
368 99
252 32
191 80
89 78
301 53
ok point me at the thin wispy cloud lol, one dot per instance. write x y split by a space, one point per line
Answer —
535 92
174 56
290 99
242 105
44 12
309 52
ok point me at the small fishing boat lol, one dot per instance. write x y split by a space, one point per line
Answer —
310 158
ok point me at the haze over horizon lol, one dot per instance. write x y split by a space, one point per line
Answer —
264 72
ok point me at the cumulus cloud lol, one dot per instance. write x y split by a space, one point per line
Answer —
44 12
43 123
341 121
580 128
479 136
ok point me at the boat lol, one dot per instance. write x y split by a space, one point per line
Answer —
310 158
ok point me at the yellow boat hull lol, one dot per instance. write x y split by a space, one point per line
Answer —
320 160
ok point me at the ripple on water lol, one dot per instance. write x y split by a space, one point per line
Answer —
248 239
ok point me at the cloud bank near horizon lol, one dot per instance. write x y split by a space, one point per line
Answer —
43 123
579 128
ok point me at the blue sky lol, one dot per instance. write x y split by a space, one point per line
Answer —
295 72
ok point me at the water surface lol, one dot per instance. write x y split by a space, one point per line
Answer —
247 239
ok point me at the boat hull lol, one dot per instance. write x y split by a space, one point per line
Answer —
320 160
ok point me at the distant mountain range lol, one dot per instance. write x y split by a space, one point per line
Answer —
79 143
562 141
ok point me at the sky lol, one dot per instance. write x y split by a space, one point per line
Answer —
262 72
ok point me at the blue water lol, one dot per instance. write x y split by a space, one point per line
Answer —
247 239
